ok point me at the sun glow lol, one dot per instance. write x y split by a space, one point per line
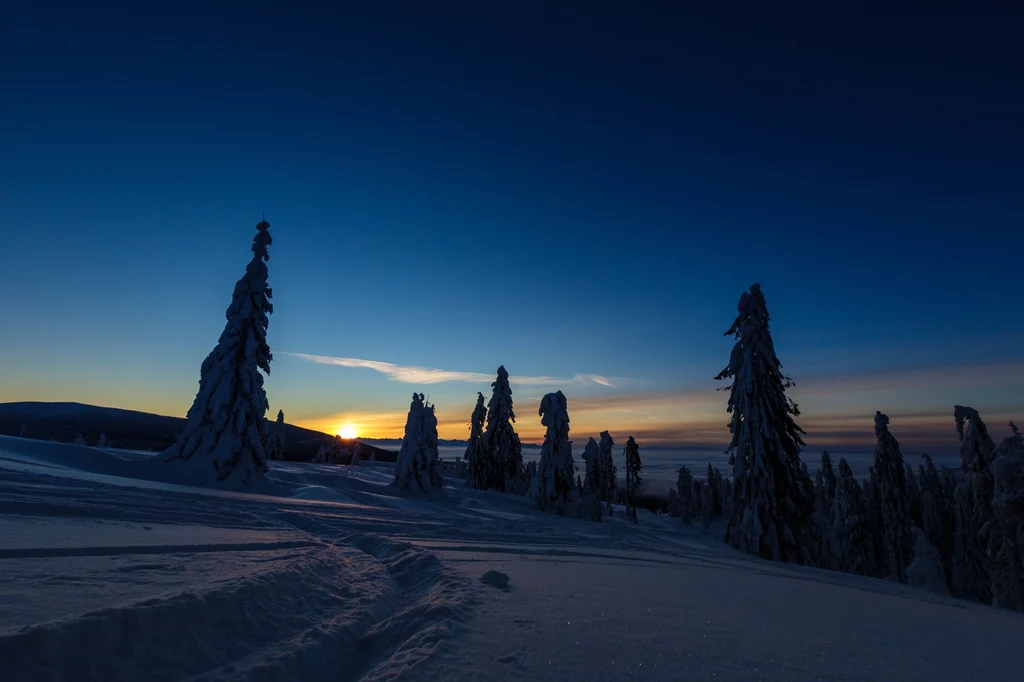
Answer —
348 431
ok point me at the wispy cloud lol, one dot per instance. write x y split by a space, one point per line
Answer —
413 374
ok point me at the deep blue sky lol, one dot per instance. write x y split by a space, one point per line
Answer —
565 189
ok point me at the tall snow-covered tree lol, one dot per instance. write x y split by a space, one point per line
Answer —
688 508
633 479
419 471
852 542
977 452
893 500
608 470
771 515
938 520
825 485
503 446
1007 560
555 482
357 451
478 463
914 496
280 441
224 426
592 485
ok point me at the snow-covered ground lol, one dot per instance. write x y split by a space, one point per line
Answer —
113 570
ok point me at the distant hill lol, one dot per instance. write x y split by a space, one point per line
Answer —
131 430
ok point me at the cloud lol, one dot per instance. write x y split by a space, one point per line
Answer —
412 374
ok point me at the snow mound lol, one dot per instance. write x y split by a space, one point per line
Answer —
370 608
495 579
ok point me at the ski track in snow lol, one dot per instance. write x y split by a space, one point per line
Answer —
333 577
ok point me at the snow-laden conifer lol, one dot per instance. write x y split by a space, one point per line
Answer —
852 542
893 500
79 440
419 471
1007 561
503 447
223 433
102 442
770 514
825 485
608 470
357 451
977 452
970 576
555 483
938 519
478 473
688 505
633 478
280 441
592 486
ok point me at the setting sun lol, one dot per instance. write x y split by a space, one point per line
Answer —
348 431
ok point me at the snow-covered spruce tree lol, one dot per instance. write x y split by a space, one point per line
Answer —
279 438
357 451
714 480
880 560
502 442
938 520
770 515
592 487
477 462
825 485
914 496
893 500
687 504
970 576
633 479
725 485
224 425
102 442
555 483
79 440
852 542
1007 563
322 456
926 570
673 503
976 456
419 471
707 504
608 470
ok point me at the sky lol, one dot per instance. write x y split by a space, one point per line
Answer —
578 192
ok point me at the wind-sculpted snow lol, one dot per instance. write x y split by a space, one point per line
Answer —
338 577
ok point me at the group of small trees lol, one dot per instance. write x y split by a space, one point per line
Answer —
494 455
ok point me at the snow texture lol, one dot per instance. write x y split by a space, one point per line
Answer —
419 471
110 577
223 437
